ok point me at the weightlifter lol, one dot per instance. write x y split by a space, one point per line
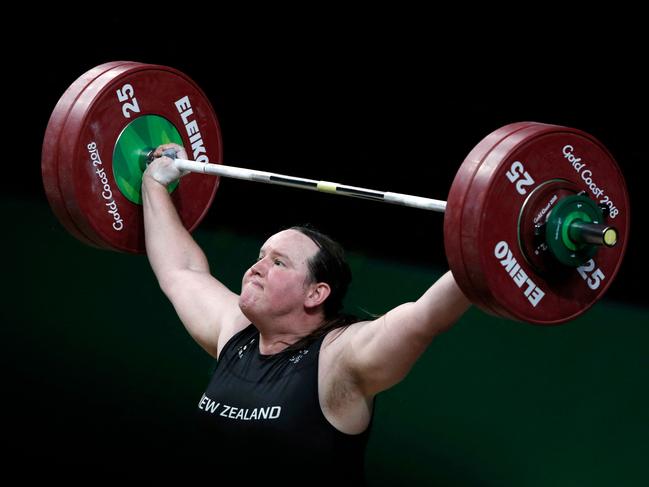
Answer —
295 380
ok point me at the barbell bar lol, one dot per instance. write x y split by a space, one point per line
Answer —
310 184
580 231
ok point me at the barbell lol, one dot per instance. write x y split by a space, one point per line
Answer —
535 224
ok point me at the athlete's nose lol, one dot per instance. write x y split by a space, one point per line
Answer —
259 267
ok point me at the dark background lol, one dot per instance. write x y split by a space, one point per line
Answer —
101 373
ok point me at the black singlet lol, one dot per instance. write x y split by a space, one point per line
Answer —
263 411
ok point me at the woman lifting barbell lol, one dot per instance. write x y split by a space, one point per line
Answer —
295 380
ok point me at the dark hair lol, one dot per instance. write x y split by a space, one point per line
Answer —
327 265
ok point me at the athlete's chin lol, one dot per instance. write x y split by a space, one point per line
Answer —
248 306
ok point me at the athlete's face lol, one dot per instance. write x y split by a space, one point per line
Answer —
278 282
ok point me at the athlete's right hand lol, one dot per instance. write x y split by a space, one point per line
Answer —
162 169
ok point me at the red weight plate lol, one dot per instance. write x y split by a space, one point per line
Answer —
454 207
95 123
494 260
64 164
51 141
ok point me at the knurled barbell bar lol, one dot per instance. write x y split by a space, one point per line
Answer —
526 216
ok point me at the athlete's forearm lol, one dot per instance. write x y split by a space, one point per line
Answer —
170 247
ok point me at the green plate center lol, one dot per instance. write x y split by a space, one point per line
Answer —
133 145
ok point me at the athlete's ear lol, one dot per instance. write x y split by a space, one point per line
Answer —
317 294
